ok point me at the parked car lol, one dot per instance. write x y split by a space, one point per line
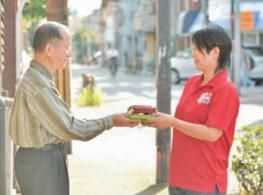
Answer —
182 66
255 56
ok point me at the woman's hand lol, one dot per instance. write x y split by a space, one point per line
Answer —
159 120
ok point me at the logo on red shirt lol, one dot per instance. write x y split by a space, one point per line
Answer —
205 98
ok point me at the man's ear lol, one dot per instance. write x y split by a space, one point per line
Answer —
49 49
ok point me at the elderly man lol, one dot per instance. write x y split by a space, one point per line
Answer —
41 121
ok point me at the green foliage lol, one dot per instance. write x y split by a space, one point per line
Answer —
248 162
33 12
90 96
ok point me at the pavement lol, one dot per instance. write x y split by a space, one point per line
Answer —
122 161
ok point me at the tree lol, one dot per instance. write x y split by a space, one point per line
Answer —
83 43
33 12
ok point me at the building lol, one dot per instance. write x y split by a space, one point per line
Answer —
120 33
145 24
251 19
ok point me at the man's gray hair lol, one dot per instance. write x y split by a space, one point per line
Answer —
46 33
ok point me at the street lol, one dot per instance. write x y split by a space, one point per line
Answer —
122 161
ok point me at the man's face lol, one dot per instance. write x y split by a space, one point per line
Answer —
60 52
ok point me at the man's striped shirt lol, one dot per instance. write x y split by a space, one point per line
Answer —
39 115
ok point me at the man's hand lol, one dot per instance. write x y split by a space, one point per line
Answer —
122 120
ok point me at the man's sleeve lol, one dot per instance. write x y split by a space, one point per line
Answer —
56 118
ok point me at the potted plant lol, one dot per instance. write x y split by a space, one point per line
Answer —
247 162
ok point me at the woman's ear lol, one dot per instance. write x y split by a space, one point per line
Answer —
216 52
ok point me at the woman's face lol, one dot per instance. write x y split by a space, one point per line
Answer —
203 60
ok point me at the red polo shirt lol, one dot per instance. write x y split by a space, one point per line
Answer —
200 165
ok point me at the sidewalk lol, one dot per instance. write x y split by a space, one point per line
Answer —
118 162
252 95
122 161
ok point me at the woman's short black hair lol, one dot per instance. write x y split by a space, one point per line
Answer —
46 33
214 36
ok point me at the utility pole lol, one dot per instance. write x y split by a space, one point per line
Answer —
102 32
232 19
173 26
163 136
237 44
205 12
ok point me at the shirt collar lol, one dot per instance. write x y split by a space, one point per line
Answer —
216 80
41 68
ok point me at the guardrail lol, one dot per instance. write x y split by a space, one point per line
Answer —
7 184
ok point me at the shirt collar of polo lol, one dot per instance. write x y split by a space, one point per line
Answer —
42 69
216 80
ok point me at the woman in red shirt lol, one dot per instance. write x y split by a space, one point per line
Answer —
204 121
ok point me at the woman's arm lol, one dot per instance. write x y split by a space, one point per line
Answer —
194 130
